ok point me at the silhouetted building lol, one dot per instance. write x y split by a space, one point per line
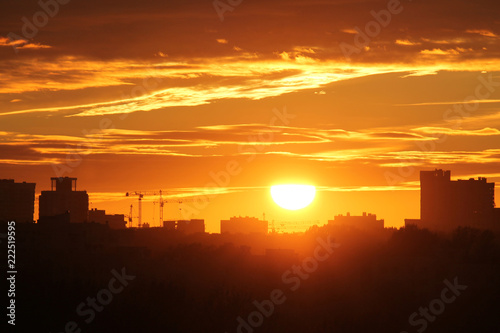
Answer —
447 204
116 221
192 226
63 197
169 225
17 201
55 221
363 222
243 225
410 222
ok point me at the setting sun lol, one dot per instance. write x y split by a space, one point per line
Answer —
293 197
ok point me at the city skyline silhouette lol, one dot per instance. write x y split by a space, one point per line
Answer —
444 206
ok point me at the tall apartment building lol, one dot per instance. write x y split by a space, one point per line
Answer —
17 201
62 198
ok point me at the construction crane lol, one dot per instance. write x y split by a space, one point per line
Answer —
130 216
161 201
140 196
178 201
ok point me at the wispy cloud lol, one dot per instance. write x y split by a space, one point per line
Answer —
487 101
460 132
21 44
210 141
129 86
438 51
482 32
376 188
406 42
199 82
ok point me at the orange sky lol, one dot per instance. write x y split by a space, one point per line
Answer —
150 95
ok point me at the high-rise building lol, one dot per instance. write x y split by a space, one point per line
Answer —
363 222
243 225
447 204
63 197
17 201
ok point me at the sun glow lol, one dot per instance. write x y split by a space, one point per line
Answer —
293 197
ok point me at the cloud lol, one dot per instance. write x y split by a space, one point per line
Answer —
349 31
7 42
140 31
396 135
305 49
482 32
420 73
133 87
441 52
34 46
168 84
424 159
448 41
207 141
406 42
458 132
21 44
469 101
403 187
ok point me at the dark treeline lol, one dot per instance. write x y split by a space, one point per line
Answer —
369 282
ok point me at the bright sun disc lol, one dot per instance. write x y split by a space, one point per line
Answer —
293 197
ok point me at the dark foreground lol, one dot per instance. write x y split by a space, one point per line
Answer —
86 278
